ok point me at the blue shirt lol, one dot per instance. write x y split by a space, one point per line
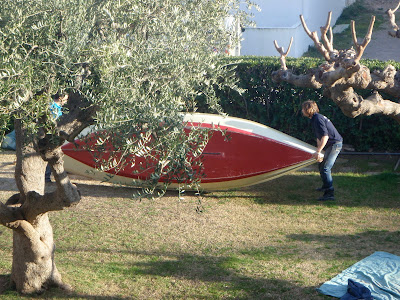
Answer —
322 126
56 110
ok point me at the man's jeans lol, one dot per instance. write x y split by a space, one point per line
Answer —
47 174
331 153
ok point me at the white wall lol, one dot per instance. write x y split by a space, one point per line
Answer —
279 20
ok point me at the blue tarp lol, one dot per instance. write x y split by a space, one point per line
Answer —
9 141
379 272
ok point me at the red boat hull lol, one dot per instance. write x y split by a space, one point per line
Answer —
253 153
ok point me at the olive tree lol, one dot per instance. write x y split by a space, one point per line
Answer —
131 67
342 74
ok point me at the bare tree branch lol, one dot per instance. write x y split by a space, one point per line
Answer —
361 47
66 194
282 53
314 36
6 215
353 105
392 20
10 216
324 30
310 80
386 81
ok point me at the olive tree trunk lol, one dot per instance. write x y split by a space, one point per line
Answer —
33 266
27 214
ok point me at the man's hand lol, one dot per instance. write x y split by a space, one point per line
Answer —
318 156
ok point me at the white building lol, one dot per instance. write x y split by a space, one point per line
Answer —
279 20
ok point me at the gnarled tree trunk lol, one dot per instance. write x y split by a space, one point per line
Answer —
33 266
27 213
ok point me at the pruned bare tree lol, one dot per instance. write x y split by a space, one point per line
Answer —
342 74
392 19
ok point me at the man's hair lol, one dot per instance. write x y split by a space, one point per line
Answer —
59 95
310 107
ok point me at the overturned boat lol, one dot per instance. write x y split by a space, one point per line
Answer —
254 153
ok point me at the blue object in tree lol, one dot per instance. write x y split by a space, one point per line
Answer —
9 141
56 110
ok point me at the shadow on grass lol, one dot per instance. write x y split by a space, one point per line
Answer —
352 190
4 283
220 275
349 245
223 278
6 290
8 184
373 190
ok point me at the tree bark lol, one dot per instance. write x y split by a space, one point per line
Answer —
33 266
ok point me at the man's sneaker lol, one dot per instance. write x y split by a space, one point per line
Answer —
320 189
328 195
326 198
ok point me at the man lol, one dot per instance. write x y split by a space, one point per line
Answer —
57 104
56 112
330 139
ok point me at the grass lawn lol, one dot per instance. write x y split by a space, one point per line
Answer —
270 241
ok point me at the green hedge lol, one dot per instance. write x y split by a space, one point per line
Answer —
278 105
